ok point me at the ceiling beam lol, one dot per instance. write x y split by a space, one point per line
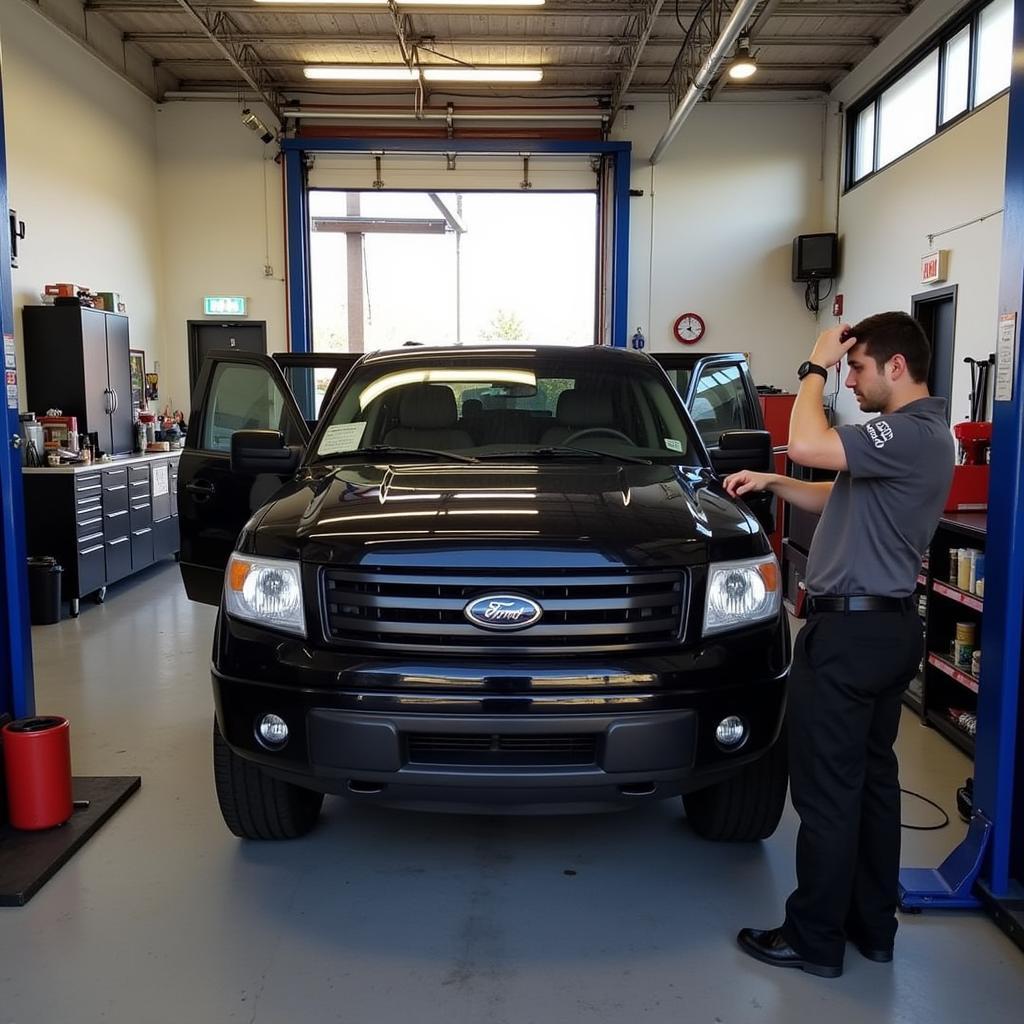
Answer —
221 30
638 31
295 65
596 41
564 8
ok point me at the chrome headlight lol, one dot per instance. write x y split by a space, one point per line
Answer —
265 590
741 593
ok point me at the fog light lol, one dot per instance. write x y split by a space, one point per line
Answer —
731 732
272 731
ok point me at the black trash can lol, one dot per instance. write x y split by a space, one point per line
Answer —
44 590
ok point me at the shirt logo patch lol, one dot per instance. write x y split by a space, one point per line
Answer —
880 433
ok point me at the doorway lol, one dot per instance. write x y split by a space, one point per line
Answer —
236 336
935 311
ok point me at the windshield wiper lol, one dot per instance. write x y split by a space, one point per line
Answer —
393 449
561 449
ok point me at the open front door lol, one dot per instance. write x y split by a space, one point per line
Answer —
235 391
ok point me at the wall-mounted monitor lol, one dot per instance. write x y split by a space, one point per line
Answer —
815 256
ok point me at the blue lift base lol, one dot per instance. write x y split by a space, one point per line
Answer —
951 885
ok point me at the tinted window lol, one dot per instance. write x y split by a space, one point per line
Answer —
720 403
957 83
907 110
491 403
995 45
243 397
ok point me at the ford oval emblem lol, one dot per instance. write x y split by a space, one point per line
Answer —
503 612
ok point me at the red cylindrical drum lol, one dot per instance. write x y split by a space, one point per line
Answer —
37 764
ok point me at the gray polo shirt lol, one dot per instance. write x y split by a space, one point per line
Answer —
884 508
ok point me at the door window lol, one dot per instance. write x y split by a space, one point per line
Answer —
720 403
244 397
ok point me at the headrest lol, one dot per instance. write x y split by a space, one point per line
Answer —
576 409
472 407
427 407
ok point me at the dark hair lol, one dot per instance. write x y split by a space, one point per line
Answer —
885 335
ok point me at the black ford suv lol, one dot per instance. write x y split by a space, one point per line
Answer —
483 577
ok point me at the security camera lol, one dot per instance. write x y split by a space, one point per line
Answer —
250 120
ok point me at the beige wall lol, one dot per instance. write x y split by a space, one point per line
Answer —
884 223
737 184
81 159
220 215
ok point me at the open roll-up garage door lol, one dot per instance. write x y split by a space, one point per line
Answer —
462 165
456 171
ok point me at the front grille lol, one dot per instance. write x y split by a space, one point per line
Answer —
487 750
582 612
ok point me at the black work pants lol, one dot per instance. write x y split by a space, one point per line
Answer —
849 672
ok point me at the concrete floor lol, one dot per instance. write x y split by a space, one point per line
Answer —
382 916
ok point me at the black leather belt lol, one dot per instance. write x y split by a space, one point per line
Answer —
858 603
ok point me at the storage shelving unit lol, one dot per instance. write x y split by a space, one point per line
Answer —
943 685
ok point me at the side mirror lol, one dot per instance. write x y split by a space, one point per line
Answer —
743 449
748 449
263 451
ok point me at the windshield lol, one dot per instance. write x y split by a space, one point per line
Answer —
509 402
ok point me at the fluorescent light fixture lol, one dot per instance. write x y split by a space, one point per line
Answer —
318 3
470 3
462 74
743 64
405 3
381 73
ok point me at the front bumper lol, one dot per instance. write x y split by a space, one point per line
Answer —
588 748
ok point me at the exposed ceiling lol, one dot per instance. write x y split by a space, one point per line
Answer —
587 48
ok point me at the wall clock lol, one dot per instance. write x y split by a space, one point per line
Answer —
689 328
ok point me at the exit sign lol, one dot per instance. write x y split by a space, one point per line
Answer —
225 305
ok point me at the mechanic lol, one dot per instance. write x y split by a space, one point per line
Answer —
862 642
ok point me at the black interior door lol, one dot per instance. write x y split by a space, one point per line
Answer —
234 392
936 313
232 336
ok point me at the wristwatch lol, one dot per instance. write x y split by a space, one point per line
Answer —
807 367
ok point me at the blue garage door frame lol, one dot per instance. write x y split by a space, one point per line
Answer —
295 151
17 692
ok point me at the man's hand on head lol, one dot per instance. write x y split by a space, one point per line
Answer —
831 346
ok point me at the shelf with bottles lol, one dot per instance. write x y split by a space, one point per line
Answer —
955 609
951 670
960 596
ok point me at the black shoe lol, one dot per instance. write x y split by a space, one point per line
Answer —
770 947
879 954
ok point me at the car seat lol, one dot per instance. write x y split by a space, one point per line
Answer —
427 418
578 411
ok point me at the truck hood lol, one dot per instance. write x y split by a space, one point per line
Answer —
562 515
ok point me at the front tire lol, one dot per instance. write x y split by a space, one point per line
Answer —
747 806
254 804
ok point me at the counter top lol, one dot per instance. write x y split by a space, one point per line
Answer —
121 460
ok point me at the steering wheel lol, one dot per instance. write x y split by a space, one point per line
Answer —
591 431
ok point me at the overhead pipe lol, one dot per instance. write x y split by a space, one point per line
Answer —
722 48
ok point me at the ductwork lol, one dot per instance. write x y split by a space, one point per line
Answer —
721 49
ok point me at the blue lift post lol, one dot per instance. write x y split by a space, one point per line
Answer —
17 694
987 869
294 150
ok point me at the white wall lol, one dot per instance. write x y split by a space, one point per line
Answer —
884 223
738 183
81 160
221 212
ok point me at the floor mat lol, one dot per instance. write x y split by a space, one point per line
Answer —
29 859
